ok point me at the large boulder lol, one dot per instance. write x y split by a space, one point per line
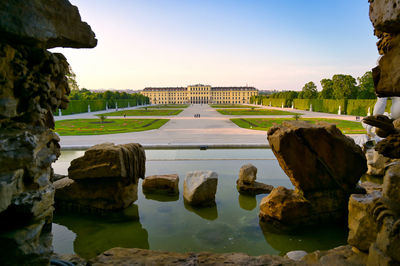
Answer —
248 174
317 157
104 178
326 173
385 15
376 162
161 183
45 24
200 187
110 161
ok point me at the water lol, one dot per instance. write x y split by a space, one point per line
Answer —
167 223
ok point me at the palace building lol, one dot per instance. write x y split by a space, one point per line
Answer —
199 94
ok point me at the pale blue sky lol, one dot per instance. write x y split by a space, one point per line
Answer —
270 44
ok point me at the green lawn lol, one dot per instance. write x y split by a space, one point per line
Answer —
347 127
231 106
142 112
161 106
254 112
110 126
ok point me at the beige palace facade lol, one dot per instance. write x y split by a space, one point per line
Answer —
199 94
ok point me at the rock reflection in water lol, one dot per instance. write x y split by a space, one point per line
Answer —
208 213
96 234
247 202
161 197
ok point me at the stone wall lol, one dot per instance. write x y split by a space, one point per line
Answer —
32 86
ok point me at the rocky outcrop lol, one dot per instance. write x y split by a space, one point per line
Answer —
385 17
247 184
161 183
44 24
326 174
112 173
200 187
134 256
376 162
32 86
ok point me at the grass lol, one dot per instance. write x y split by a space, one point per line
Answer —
231 106
254 112
142 112
110 126
161 106
347 127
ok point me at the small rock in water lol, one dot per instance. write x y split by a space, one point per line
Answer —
296 255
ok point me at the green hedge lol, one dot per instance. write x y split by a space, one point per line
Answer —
360 107
81 106
275 102
321 105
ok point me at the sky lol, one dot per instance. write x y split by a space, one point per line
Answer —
268 44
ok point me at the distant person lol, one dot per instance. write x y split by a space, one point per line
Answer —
124 115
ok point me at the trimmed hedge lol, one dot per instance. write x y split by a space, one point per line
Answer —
81 106
321 105
275 102
360 107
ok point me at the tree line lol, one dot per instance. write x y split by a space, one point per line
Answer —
85 94
340 86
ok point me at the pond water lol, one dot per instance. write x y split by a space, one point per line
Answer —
167 223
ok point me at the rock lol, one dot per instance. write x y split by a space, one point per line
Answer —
296 255
161 183
342 255
385 15
253 189
45 24
389 147
200 187
362 227
376 162
371 187
387 75
134 256
327 173
329 159
284 209
248 174
90 196
107 160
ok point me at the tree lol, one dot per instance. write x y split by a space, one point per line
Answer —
327 89
344 87
366 86
309 91
71 78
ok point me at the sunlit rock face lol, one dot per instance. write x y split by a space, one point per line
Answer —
105 178
323 165
32 86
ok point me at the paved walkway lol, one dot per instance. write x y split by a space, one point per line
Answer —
211 129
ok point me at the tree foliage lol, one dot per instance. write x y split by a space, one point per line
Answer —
309 91
344 87
366 86
327 89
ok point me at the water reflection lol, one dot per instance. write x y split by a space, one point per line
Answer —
208 213
247 202
161 197
96 234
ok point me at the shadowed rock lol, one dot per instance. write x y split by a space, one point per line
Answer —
45 24
161 183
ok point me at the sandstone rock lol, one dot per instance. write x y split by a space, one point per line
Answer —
134 256
387 76
199 187
362 227
253 189
371 187
94 196
389 147
110 161
342 255
385 15
248 174
284 209
376 162
161 183
329 160
326 174
45 24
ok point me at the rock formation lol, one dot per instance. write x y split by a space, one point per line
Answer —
324 176
161 183
33 85
199 188
247 184
104 178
